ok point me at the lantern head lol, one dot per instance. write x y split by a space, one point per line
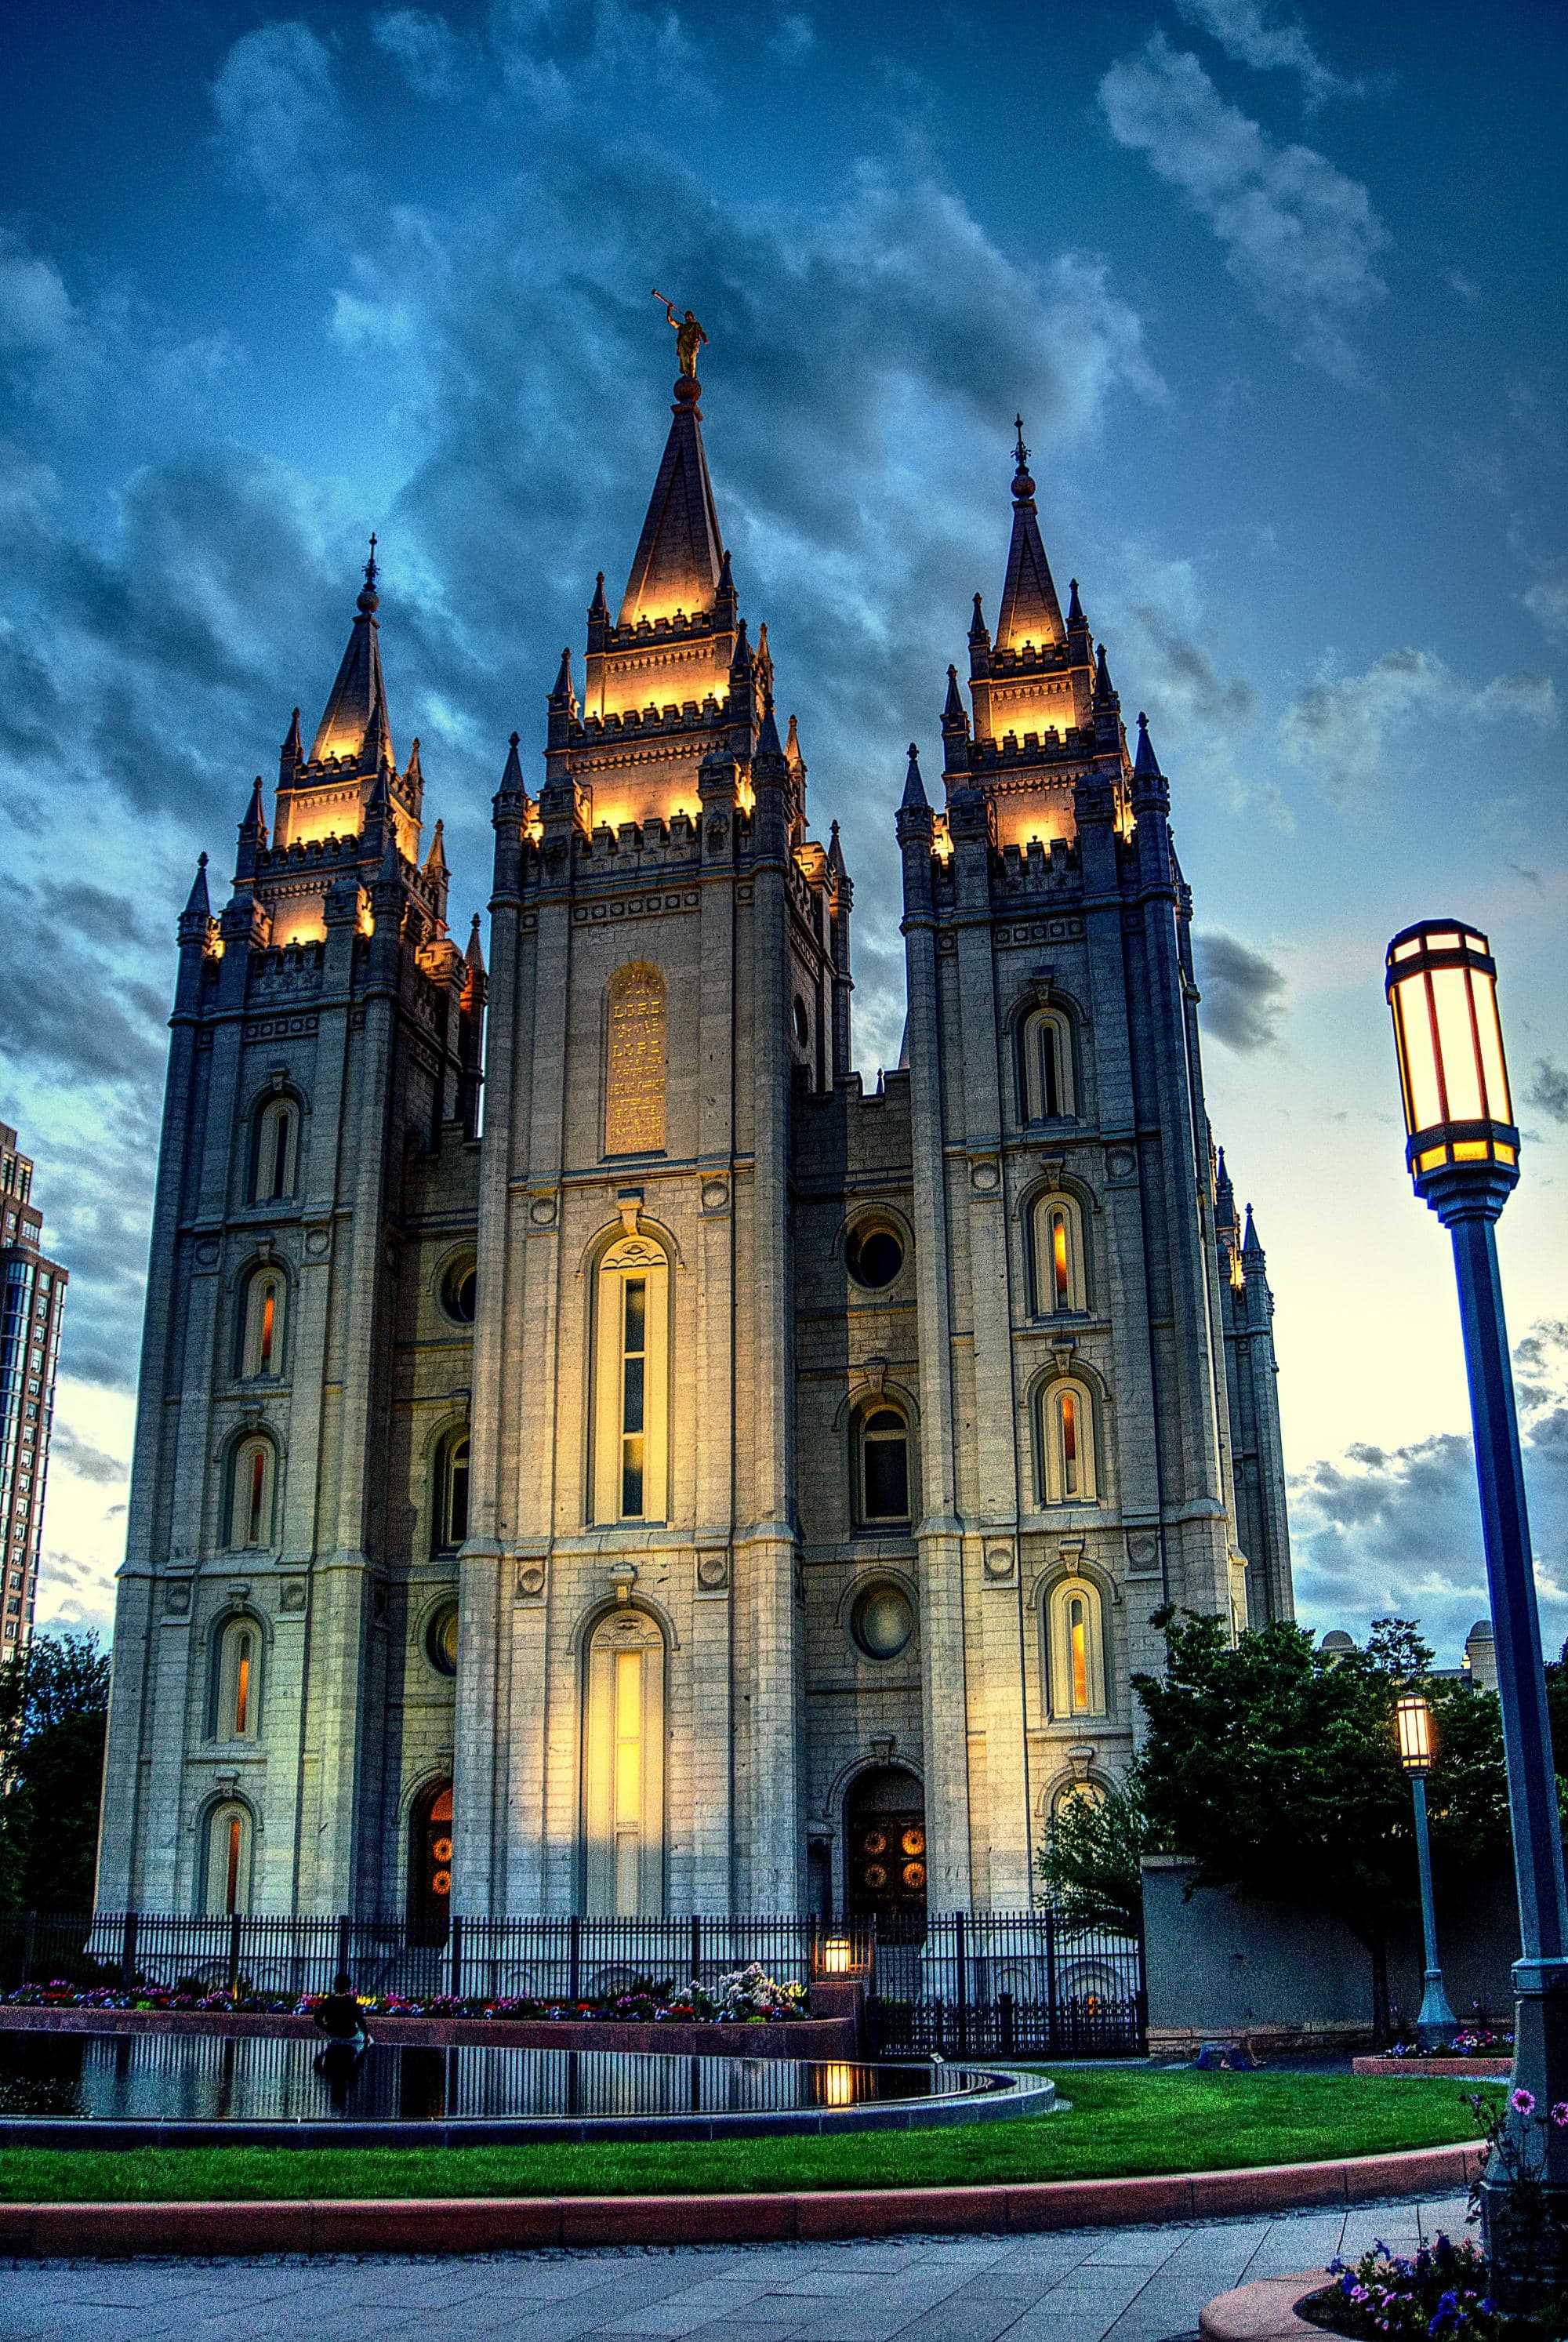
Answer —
1417 1743
1462 1144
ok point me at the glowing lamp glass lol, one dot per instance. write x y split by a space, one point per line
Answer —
1417 1745
835 1956
1441 986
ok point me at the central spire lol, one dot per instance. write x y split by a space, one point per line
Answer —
1030 610
356 707
680 552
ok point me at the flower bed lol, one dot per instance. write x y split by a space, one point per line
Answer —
746 1996
1440 2294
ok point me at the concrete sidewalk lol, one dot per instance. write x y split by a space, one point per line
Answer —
1121 2285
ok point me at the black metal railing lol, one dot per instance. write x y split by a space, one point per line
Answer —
1008 1984
957 1984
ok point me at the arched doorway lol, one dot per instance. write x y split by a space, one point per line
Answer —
885 1844
623 1768
430 1865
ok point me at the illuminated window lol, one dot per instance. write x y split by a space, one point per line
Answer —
452 1492
1059 1281
237 1682
1075 1648
1066 1438
631 1437
251 1495
623 1766
277 1151
884 1475
228 1856
1046 1043
634 1062
261 1342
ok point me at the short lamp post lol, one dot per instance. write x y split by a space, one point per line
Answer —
1436 2026
1462 1151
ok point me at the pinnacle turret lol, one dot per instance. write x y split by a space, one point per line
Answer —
435 860
473 957
1145 764
198 903
979 632
953 709
1252 1243
915 795
1030 611
511 784
253 826
562 696
1075 618
356 707
1104 687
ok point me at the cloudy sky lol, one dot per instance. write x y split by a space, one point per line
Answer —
1279 297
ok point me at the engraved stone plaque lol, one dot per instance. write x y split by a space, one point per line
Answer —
634 1082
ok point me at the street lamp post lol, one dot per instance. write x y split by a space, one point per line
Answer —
1462 1151
1437 2024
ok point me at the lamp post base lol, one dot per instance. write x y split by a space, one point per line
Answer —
1523 2196
1437 2024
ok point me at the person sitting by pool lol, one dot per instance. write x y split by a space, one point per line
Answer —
338 2015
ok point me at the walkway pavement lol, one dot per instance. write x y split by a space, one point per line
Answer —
1085 2285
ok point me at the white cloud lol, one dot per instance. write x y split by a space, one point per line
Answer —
1245 992
279 120
1547 603
1242 30
1339 728
1298 235
426 50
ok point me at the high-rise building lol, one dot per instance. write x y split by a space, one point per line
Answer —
32 1303
716 1486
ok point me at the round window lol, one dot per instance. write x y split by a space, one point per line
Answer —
802 1022
882 1621
874 1255
441 1640
459 1289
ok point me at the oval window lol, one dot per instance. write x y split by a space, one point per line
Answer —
882 1621
874 1255
459 1291
441 1640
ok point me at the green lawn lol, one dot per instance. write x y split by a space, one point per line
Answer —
1118 2122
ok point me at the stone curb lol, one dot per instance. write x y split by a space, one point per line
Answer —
508 2224
1265 2311
1452 2069
807 2036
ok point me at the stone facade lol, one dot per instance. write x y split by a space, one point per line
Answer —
714 1489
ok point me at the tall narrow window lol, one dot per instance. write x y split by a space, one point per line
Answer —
623 1766
883 1467
1047 1066
228 1858
251 1499
451 1492
237 1682
277 1151
1059 1280
634 1062
1075 1648
631 1376
260 1344
1066 1436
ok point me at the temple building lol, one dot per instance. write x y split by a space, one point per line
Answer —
696 1483
32 1307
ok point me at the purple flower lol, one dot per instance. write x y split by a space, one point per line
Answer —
1560 2114
1522 2102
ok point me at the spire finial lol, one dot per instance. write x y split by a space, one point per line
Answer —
1022 486
369 599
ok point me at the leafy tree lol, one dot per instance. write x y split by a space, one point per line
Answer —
54 1707
1092 1859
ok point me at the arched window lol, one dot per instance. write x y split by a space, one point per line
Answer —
430 1865
276 1160
251 1494
229 1855
1075 1648
623 1766
237 1682
451 1516
634 1062
883 1473
1066 1436
1060 1284
261 1338
1046 1045
632 1375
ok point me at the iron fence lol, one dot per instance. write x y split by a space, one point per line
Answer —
546 1959
964 1984
1008 1984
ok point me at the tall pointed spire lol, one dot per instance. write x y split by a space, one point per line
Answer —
512 782
680 553
199 905
253 826
435 860
357 705
1030 611
475 955
1252 1243
953 706
792 748
1146 762
914 786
